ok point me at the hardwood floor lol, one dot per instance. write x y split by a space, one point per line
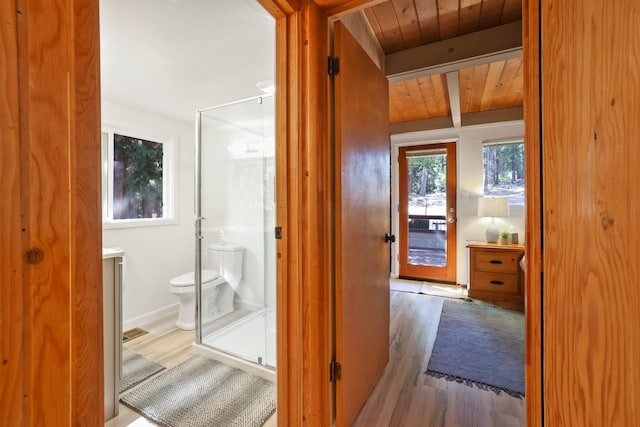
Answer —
404 396
429 288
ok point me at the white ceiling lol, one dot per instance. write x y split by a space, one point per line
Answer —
172 57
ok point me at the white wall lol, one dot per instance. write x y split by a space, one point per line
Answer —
233 201
235 192
470 180
155 254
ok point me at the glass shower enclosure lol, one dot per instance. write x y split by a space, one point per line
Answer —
235 208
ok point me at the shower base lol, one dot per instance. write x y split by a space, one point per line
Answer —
251 338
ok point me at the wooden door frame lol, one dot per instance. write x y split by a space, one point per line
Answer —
533 226
301 28
11 267
304 392
403 214
61 41
51 268
303 177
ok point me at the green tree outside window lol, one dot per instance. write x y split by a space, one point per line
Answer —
137 179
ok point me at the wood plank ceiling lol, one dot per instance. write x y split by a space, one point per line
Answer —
405 24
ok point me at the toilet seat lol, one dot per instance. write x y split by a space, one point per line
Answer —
188 279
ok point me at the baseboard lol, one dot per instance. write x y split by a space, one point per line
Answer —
158 322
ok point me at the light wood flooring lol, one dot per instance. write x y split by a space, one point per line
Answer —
404 396
169 350
429 288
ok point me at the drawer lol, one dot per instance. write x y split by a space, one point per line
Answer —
498 261
495 282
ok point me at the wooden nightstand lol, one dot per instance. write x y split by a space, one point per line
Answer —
495 274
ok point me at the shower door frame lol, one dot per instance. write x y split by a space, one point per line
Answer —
199 236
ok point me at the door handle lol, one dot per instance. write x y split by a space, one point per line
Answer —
452 220
199 235
389 238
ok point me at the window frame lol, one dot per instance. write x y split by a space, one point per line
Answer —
169 175
510 141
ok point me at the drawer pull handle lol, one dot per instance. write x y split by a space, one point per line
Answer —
495 261
497 282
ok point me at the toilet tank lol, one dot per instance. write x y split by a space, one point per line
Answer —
227 259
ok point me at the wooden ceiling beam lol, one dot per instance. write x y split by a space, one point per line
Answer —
482 47
493 116
453 87
469 119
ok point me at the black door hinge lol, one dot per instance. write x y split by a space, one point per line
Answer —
278 233
334 65
335 371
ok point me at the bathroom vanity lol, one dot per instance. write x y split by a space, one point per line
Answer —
112 324
495 274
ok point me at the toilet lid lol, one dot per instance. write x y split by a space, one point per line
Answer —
188 279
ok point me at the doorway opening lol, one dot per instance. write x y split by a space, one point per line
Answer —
425 251
427 212
161 64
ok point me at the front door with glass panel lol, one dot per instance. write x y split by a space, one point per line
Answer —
428 212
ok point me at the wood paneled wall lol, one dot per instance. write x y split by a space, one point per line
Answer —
591 156
51 240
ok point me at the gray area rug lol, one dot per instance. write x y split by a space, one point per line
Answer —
204 392
136 368
481 346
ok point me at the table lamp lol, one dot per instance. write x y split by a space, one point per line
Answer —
493 207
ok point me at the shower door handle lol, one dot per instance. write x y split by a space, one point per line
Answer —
199 235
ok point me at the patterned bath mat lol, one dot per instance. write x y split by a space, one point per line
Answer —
204 392
136 368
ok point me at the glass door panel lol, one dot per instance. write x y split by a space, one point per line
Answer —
427 212
235 209
427 206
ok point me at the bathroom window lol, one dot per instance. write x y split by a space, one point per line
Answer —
136 179
503 165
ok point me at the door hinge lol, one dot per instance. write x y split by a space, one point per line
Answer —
278 233
335 371
334 65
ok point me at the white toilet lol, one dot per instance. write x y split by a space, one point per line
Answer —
219 283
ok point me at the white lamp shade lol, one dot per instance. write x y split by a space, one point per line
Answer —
493 206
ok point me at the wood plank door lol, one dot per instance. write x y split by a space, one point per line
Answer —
427 217
362 221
